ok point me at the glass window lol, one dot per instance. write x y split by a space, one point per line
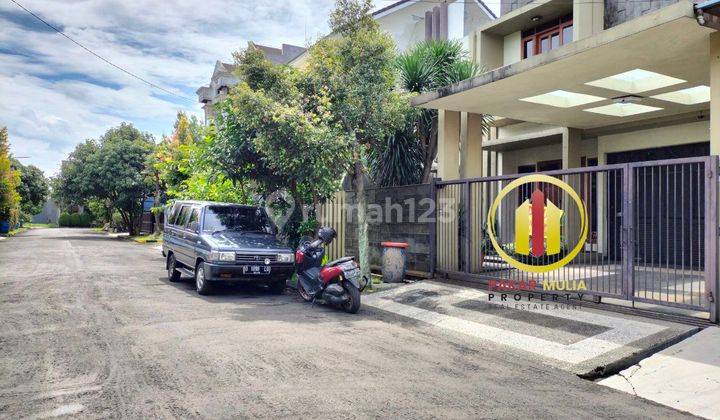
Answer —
236 218
172 213
182 215
545 44
529 51
567 34
547 36
194 215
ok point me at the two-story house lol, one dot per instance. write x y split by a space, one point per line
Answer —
223 76
411 21
605 93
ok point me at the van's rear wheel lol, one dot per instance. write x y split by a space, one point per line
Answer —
202 286
173 274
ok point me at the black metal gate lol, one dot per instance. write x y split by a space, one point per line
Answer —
653 229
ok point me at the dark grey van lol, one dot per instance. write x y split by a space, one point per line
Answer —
221 242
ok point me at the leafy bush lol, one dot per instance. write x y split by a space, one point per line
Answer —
64 219
75 220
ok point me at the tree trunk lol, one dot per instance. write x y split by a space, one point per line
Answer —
126 220
156 214
430 151
362 224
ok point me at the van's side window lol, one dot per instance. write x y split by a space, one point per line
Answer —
182 216
172 214
192 222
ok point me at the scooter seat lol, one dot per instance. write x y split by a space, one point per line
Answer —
338 261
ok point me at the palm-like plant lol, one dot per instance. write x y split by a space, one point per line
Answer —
428 66
398 161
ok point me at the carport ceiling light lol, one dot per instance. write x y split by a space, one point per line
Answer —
563 99
623 110
636 81
689 96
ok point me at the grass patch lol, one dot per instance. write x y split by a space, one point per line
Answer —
40 225
18 230
147 239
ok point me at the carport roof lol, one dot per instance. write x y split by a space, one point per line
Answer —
669 42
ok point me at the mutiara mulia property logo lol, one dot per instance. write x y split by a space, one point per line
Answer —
538 245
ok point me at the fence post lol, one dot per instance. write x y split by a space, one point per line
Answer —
628 230
432 246
466 227
711 236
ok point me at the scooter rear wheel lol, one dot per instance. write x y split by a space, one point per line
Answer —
353 304
303 294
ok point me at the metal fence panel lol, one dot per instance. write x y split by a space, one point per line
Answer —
649 238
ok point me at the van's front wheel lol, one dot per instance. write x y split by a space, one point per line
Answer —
202 286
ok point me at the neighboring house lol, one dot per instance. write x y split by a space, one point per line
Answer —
49 214
410 21
223 77
413 21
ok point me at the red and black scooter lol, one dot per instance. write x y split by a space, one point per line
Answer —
337 283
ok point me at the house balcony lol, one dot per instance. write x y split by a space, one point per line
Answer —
204 94
655 70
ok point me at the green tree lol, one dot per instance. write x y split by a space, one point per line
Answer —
9 183
72 186
267 137
111 170
355 71
167 168
428 66
33 190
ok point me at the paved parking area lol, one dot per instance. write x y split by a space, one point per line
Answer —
90 327
560 333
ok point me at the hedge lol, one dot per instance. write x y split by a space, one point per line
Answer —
75 220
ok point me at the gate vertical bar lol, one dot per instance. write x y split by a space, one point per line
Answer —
628 231
433 226
466 227
711 236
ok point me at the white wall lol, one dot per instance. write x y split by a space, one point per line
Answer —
654 137
456 20
512 52
405 29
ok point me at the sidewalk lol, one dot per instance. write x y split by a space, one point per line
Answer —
685 376
587 342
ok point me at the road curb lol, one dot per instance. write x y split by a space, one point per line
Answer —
616 366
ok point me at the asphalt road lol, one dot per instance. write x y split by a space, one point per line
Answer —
90 326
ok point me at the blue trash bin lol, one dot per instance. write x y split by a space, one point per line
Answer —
394 258
4 226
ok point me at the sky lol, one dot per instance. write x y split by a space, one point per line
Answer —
54 95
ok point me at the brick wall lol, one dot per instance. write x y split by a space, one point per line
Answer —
404 224
619 11
616 11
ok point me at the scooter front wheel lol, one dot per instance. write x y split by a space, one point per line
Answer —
303 294
353 304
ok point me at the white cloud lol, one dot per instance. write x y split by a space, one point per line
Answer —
54 95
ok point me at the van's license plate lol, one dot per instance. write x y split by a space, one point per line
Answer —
256 269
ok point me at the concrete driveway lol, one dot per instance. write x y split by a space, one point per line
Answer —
90 326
